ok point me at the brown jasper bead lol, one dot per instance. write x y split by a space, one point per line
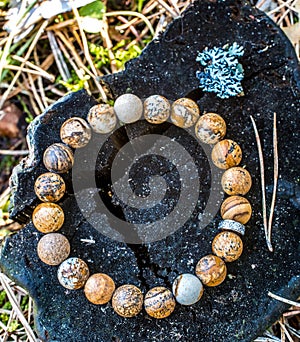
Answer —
102 118
211 270
58 158
127 300
210 128
184 112
236 208
49 187
236 181
228 246
159 302
73 273
75 132
226 153
99 288
53 248
48 217
156 109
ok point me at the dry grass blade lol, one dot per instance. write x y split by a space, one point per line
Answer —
4 196
87 53
291 313
14 153
28 53
58 56
284 300
263 187
168 8
285 332
40 71
108 44
35 93
131 13
14 302
10 38
29 71
40 81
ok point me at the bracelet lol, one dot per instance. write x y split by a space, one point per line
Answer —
48 217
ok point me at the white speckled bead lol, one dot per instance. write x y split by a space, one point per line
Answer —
156 109
128 108
187 289
73 273
102 118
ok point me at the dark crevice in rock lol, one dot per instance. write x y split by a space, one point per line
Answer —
145 263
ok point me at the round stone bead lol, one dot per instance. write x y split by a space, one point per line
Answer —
73 273
236 208
236 181
187 289
228 246
211 270
159 302
128 108
102 118
156 109
58 158
53 248
48 217
75 132
226 153
233 226
99 288
49 187
210 128
127 300
184 112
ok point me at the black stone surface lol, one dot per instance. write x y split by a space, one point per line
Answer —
239 309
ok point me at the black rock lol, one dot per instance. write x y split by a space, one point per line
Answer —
239 309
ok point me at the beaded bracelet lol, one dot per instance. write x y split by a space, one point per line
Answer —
48 217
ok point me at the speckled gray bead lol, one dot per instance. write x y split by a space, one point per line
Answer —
187 289
128 108
156 109
233 226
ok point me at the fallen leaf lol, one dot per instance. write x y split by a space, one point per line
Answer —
10 116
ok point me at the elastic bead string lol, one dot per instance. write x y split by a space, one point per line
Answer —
187 289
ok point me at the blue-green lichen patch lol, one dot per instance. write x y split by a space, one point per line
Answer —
221 71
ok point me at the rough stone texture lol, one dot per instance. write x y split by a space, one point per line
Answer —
237 310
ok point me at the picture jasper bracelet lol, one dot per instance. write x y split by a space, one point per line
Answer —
48 217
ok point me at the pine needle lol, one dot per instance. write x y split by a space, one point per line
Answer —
263 186
275 156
